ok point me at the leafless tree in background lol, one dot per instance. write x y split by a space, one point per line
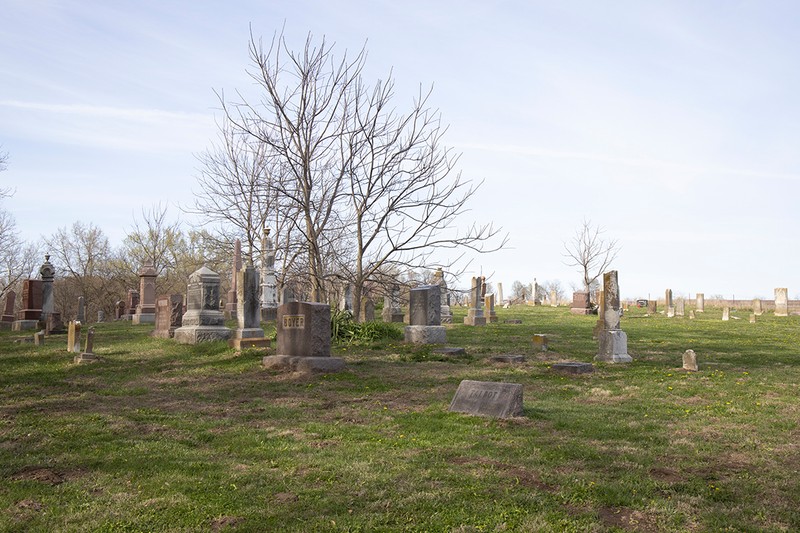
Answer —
591 253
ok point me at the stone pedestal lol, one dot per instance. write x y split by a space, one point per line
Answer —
613 347
475 318
24 325
203 321
426 334
146 310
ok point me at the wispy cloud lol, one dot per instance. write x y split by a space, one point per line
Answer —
121 113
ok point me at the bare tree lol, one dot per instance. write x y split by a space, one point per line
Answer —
591 253
17 259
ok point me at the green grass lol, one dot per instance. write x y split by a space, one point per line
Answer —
163 437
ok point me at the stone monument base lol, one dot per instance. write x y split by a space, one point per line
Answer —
144 318
580 311
475 319
613 347
296 363
85 358
197 334
492 317
23 325
426 334
252 342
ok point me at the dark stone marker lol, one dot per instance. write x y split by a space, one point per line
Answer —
512 321
573 367
304 339
581 304
450 351
169 315
514 359
498 400
424 308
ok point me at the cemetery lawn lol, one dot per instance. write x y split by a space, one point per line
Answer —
163 437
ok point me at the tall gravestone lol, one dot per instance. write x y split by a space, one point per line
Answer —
169 315
47 273
8 308
491 314
28 317
346 302
758 308
553 298
367 309
726 313
303 332
424 312
269 280
119 310
668 303
146 310
581 303
230 306
202 321
700 305
392 312
80 316
438 279
500 294
74 336
248 334
782 301
680 307
131 301
475 316
613 341
535 298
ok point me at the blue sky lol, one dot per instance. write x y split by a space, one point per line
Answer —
674 125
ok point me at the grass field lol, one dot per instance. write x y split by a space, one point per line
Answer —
162 437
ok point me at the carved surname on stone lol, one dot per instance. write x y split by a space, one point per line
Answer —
294 322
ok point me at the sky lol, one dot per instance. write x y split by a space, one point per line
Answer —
674 125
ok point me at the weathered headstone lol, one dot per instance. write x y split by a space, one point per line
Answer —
540 342
511 359
28 317
81 314
88 354
726 313
47 273
248 312
581 303
101 315
391 306
680 307
485 398
758 308
475 316
119 310
346 302
613 341
38 338
146 310
445 315
203 321
691 314
700 305
536 296
690 361
367 309
600 325
131 301
74 336
752 318
169 315
491 314
668 303
424 311
652 307
572 367
8 308
269 280
500 299
236 266
782 301
304 339
553 298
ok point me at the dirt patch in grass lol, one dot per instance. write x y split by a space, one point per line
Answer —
523 476
225 522
667 475
628 519
285 497
40 474
29 505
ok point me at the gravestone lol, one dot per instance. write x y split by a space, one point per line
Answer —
346 302
691 314
391 306
652 307
202 321
553 298
119 310
510 359
248 311
38 338
269 280
752 318
599 326
572 367
782 301
424 312
581 303
169 315
536 292
680 307
540 342
146 310
700 302
758 308
500 294
445 315
488 302
613 341
230 306
74 336
726 313
47 273
690 361
486 398
668 303
367 310
81 315
8 309
101 315
131 301
87 355
475 316
54 324
304 339
28 317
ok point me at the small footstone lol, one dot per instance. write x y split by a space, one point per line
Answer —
85 358
450 351
573 367
509 359
690 361
512 321
499 400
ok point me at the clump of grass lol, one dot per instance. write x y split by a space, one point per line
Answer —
344 330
